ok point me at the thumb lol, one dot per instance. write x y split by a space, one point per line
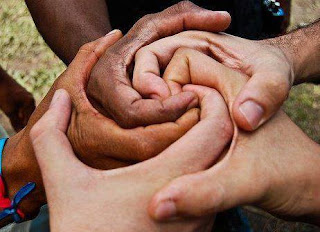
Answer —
260 99
204 193
52 148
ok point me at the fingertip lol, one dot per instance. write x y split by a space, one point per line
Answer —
113 36
240 120
189 119
226 18
61 97
162 206
248 115
152 86
193 104
114 32
222 21
191 99
163 211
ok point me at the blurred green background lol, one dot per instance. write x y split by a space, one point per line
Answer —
27 58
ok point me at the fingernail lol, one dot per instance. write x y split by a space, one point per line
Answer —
112 32
56 97
252 112
224 13
165 210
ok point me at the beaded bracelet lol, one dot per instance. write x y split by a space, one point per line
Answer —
10 208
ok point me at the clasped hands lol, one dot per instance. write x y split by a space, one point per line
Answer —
252 170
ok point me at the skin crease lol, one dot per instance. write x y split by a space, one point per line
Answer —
100 200
142 142
273 65
12 144
16 102
109 86
81 21
266 168
105 144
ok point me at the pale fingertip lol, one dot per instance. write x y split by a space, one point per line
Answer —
162 206
252 112
165 210
61 95
193 104
115 31
224 14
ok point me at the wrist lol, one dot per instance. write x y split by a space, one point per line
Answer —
287 45
19 167
302 49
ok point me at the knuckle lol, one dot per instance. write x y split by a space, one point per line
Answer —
162 110
146 21
278 89
185 6
114 54
182 51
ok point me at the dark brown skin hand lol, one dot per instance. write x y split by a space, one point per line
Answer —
16 102
79 21
110 85
97 140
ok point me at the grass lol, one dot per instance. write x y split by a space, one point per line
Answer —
24 53
27 58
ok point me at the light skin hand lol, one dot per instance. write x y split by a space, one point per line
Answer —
84 199
110 86
98 141
272 66
266 168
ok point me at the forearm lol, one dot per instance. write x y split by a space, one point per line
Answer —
67 25
302 48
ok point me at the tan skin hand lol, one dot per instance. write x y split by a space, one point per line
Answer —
267 168
269 69
97 140
84 199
